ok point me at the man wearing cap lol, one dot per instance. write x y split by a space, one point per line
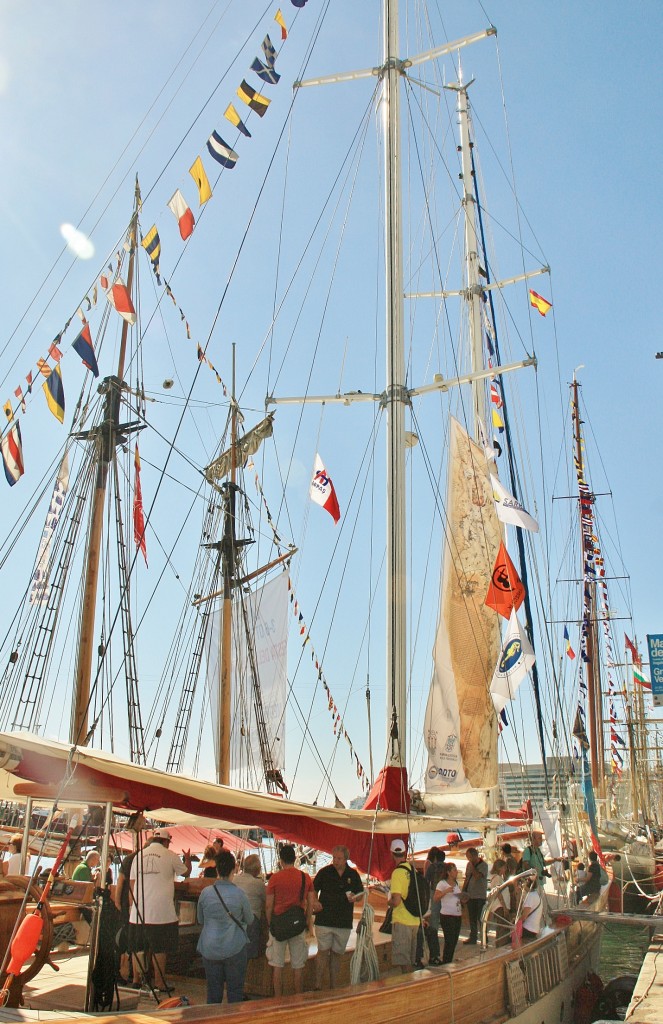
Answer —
153 924
404 925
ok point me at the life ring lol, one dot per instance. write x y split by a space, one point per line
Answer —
12 886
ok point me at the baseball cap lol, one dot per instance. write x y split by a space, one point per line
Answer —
397 846
161 833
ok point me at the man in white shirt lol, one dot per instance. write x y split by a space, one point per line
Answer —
153 924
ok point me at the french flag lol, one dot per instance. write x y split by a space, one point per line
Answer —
12 454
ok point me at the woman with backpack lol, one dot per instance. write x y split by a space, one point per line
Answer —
447 896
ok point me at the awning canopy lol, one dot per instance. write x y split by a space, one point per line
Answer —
187 838
59 771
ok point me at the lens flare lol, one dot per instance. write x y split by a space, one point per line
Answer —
77 242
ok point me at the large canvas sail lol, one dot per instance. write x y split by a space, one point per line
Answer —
460 728
266 621
260 643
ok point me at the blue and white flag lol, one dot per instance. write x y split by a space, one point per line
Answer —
515 660
265 71
269 51
221 151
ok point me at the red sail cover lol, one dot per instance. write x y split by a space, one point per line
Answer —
97 776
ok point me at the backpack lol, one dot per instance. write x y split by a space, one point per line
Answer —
418 893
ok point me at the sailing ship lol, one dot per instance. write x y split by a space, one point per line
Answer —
617 765
460 777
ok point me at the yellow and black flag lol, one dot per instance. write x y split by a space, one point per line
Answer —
234 118
253 99
54 392
197 172
152 246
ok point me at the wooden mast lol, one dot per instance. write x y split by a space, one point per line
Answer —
228 558
106 437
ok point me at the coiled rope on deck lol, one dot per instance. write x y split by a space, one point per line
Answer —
364 964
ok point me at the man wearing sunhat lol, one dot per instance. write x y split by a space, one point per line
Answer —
404 925
153 924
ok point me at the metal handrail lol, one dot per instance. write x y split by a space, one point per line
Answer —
488 908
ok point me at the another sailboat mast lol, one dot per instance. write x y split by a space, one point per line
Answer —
395 399
107 439
594 694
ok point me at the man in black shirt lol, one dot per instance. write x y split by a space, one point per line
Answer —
337 887
592 886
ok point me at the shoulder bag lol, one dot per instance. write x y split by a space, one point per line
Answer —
230 913
292 921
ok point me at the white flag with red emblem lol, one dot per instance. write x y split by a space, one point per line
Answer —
322 490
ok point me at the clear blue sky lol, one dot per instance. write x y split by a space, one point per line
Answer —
583 91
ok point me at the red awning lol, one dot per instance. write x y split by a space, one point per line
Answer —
188 837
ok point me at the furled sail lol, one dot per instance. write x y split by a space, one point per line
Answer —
460 729
245 446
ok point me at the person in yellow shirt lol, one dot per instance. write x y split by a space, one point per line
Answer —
404 925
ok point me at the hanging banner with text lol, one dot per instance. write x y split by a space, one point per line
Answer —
655 645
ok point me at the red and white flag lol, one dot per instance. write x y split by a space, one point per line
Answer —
11 448
119 298
633 651
183 215
322 490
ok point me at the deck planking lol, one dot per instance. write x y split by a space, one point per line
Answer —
646 1006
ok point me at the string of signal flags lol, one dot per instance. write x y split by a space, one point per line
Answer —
117 294
217 148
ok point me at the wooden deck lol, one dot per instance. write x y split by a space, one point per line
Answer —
458 992
646 1006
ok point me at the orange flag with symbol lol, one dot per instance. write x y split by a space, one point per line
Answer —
505 590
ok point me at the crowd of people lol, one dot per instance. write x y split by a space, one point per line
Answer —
242 917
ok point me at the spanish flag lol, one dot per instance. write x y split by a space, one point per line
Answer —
255 100
539 302
54 392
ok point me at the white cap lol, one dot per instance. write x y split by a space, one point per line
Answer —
397 846
161 833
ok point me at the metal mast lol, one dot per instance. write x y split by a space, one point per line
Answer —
395 399
473 286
